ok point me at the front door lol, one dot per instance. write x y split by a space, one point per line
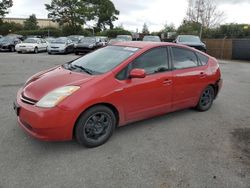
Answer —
152 95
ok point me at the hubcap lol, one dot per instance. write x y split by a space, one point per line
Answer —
207 97
97 125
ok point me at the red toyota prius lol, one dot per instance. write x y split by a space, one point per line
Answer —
113 86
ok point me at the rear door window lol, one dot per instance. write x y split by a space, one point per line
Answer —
184 58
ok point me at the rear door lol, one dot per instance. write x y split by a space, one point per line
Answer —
189 77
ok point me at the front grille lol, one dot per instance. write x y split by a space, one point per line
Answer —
28 100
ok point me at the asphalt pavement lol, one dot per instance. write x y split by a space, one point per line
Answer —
182 149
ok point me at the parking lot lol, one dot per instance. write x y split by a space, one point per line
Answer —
181 149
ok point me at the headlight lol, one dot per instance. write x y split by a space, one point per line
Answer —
54 97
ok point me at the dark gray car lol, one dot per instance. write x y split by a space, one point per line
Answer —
8 43
192 41
88 44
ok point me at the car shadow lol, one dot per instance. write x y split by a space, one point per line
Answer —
73 146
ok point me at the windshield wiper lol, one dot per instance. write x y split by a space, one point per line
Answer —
83 69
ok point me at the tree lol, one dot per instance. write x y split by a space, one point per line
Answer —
31 23
72 12
204 12
106 13
145 29
4 6
189 28
169 28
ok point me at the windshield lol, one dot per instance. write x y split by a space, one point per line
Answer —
104 60
30 41
151 38
74 39
189 39
59 41
88 40
6 39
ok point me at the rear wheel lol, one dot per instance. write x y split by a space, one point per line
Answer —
95 126
206 99
36 50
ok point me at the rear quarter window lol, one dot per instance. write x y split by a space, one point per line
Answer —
203 59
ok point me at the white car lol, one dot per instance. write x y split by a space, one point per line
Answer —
32 45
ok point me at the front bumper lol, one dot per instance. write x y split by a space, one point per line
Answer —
56 50
54 124
25 49
84 49
4 49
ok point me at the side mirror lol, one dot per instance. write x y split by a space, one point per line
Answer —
137 73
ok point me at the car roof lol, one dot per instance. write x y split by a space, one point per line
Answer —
148 45
34 38
140 44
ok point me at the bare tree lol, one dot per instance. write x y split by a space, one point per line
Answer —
204 12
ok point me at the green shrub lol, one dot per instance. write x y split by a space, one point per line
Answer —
6 28
78 30
112 33
41 32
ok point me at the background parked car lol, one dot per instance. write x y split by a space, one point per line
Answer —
150 38
61 45
75 38
103 41
115 40
32 45
21 37
49 39
88 44
192 41
8 43
125 37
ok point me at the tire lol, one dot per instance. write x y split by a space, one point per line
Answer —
76 53
95 126
12 49
19 52
206 99
49 53
36 50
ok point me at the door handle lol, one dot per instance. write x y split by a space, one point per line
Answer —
167 82
202 75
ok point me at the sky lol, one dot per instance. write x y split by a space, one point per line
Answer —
155 13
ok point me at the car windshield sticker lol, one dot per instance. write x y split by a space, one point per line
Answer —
131 49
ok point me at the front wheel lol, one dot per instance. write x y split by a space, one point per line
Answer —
36 50
12 48
206 99
95 126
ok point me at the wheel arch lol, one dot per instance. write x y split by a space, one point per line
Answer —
109 105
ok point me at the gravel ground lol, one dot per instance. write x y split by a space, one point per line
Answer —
181 149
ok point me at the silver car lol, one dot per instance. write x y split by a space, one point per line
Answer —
61 45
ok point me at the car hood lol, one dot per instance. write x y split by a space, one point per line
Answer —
192 43
4 43
57 45
86 44
42 83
